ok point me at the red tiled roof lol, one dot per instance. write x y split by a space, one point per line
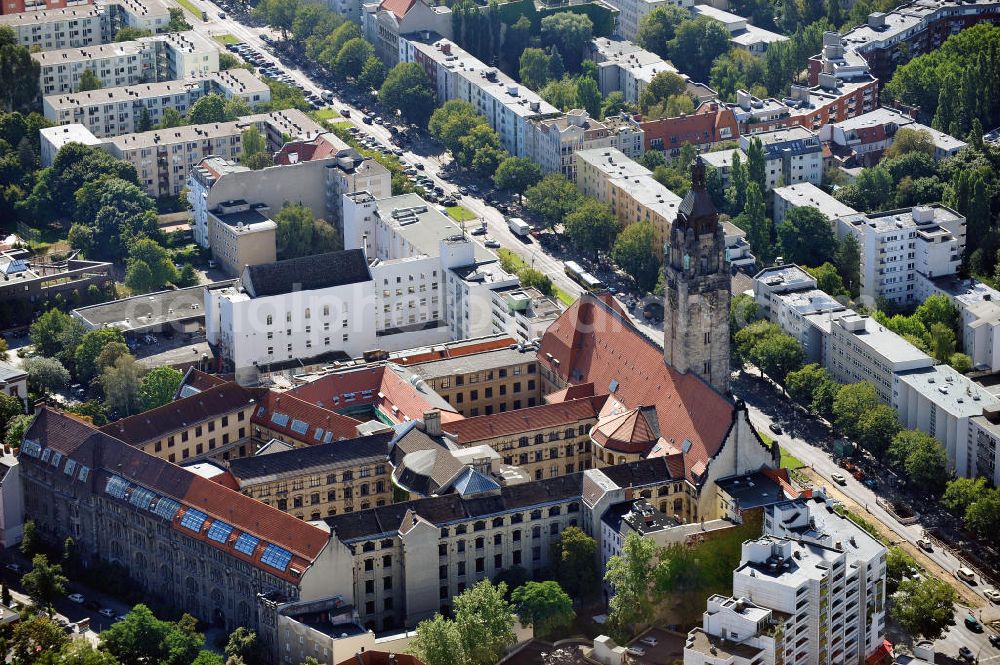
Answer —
509 423
319 147
398 7
211 403
408 400
571 392
199 380
705 125
313 416
627 432
593 341
456 351
370 657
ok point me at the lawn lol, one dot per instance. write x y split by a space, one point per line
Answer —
461 214
790 461
189 6
225 39
324 115
564 297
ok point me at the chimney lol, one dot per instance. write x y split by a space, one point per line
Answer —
432 423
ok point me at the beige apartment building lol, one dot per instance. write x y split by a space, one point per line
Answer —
75 25
242 235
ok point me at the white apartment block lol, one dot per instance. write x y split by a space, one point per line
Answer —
898 246
862 349
52 139
318 183
625 67
941 402
508 106
979 314
984 445
628 187
114 111
470 288
523 313
743 35
873 132
166 57
806 194
86 24
810 591
552 142
633 11
791 155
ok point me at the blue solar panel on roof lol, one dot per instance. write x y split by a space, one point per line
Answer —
166 508
276 557
219 531
246 544
193 519
141 498
116 487
299 426
279 419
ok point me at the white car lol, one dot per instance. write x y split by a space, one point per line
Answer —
925 544
992 595
108 612
636 651
77 598
649 641
838 478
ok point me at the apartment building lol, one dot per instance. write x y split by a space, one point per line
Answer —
861 349
552 142
984 442
806 194
469 293
791 155
14 382
888 38
385 23
167 57
861 140
979 315
109 112
818 587
165 157
631 13
625 67
898 247
321 480
711 124
11 502
76 24
18 6
508 106
185 541
490 381
743 34
523 313
628 187
241 235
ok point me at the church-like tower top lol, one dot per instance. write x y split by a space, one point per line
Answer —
697 210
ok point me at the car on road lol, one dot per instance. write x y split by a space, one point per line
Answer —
478 231
636 651
107 612
992 595
492 244
965 653
972 623
925 544
77 598
774 427
13 567
838 478
650 641
870 483
995 640
966 575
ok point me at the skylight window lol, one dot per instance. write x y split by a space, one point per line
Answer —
319 433
219 531
141 498
56 459
70 467
166 508
299 427
84 473
193 519
46 454
116 487
246 544
279 419
276 557
32 448
328 438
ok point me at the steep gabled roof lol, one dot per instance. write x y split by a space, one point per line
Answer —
593 341
398 7
300 420
510 423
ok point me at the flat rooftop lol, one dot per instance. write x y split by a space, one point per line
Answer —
291 121
951 391
40 16
474 362
143 312
788 277
612 162
753 490
806 194
424 225
884 341
888 220
908 17
966 291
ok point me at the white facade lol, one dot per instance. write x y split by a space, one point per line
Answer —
625 67
633 11
808 195
552 142
984 446
861 349
114 111
166 57
897 246
791 155
876 130
979 315
11 502
524 314
52 140
85 24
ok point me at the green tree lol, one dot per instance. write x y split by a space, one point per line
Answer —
159 386
757 224
545 606
805 237
279 13
960 493
485 621
16 427
141 639
372 74
635 252
658 28
517 174
244 646
294 232
942 342
561 93
19 74
255 155
82 652
52 330
569 33
171 118
852 402
661 88
109 355
88 81
696 45
531 278
588 96
46 374
207 658
128 34
572 560
210 108
982 516
743 310
924 607
746 340
534 68
755 164
876 428
613 104
922 458
828 280
960 362
909 140
156 258
937 309
352 57
44 583
898 566
10 408
438 641
187 277
630 575
778 355
848 262
91 345
453 120
553 198
407 90
591 227
804 383
36 639
121 383
29 539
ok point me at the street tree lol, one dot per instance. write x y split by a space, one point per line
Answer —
746 340
960 493
121 384
635 252
159 386
372 74
591 227
898 566
407 90
82 652
805 237
545 606
630 575
743 310
46 374
485 621
924 607
572 562
352 57
777 355
438 642
804 383
553 198
517 174
982 516
922 458
36 639
876 428
453 120
852 402
44 583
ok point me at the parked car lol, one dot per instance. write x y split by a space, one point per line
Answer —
992 595
650 640
107 612
492 244
966 575
972 623
995 640
636 651
774 428
925 544
478 231
838 478
77 598
965 653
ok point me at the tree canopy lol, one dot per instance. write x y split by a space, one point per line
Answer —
407 90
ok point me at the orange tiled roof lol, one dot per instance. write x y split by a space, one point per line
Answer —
631 431
510 423
571 392
318 421
398 7
593 341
